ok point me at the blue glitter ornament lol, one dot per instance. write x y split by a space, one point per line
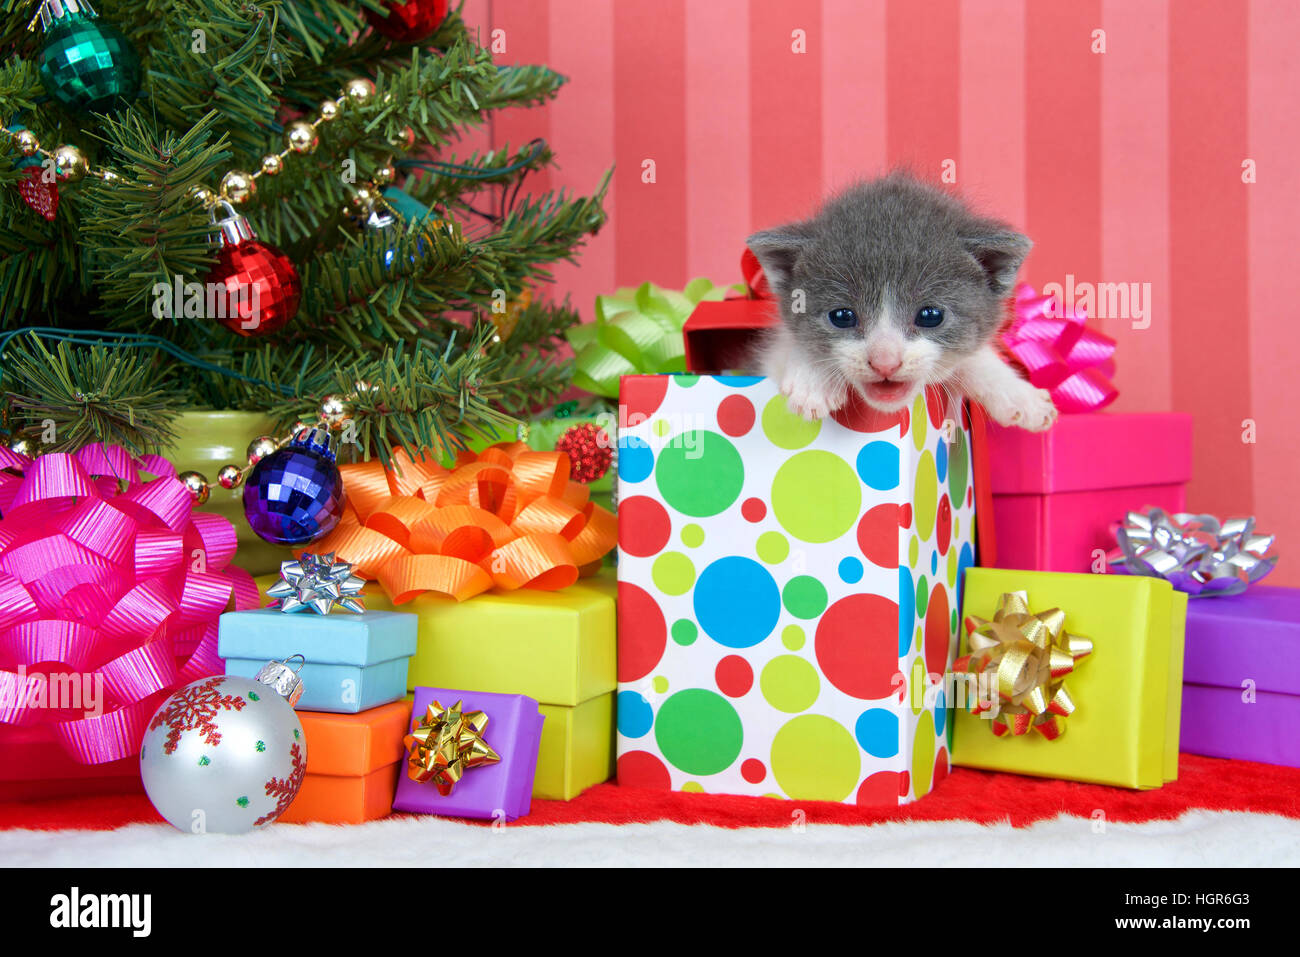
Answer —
295 495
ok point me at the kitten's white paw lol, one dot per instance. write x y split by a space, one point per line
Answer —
1024 406
807 397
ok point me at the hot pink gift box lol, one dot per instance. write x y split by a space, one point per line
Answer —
1057 493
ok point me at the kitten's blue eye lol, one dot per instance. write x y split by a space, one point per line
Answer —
927 317
843 318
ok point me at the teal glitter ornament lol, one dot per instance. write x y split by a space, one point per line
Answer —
87 65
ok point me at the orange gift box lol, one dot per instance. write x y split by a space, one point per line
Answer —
352 764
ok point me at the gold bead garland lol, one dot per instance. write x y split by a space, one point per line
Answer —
236 186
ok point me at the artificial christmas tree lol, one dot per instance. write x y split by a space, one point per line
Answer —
267 212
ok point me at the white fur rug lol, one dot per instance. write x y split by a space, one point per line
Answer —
1198 839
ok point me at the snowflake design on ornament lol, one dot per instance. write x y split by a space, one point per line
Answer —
195 709
284 791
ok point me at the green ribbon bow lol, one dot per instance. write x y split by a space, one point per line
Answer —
636 331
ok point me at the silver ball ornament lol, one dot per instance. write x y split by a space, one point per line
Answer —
223 755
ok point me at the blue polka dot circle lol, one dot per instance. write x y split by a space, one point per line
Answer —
940 712
878 465
737 602
850 570
934 563
964 561
635 716
635 460
941 460
877 732
738 381
906 609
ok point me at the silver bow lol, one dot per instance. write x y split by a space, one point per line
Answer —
1197 554
317 583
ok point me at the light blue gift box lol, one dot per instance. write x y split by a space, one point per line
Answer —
354 662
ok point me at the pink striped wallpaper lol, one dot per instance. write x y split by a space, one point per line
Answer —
1151 143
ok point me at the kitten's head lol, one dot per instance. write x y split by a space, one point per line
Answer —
891 284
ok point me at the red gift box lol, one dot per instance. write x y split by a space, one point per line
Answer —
718 335
36 767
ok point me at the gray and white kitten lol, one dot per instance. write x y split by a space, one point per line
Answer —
892 286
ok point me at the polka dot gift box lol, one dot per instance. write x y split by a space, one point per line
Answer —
785 587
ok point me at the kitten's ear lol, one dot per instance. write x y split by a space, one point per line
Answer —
999 251
778 250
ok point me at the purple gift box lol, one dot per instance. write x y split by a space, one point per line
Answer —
1241 676
499 791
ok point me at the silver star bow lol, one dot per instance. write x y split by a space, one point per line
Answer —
1197 554
317 583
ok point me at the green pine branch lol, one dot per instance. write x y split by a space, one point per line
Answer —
71 397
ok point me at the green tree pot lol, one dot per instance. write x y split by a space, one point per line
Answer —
205 442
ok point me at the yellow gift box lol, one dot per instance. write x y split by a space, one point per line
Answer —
1127 692
558 647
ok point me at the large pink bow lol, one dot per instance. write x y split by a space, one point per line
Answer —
1060 353
110 590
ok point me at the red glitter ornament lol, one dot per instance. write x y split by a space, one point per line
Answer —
588 448
254 288
39 194
409 22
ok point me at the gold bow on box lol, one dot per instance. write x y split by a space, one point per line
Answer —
445 744
1031 655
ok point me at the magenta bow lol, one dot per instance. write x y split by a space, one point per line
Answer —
1060 353
111 586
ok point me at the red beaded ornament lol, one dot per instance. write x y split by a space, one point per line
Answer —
588 448
39 194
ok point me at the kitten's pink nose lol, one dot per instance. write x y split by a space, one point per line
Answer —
885 367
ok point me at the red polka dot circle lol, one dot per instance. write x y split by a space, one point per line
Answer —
641 402
937 631
641 769
940 768
878 535
734 676
935 401
879 788
848 650
943 525
643 526
642 624
858 415
735 415
753 770
752 509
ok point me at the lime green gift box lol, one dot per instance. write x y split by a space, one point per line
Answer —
1127 693
558 647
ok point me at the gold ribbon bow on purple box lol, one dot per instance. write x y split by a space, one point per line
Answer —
445 744
1060 353
1030 655
1197 554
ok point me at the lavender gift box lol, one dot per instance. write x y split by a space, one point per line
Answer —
501 791
1241 676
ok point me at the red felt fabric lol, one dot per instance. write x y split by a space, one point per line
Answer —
1203 783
